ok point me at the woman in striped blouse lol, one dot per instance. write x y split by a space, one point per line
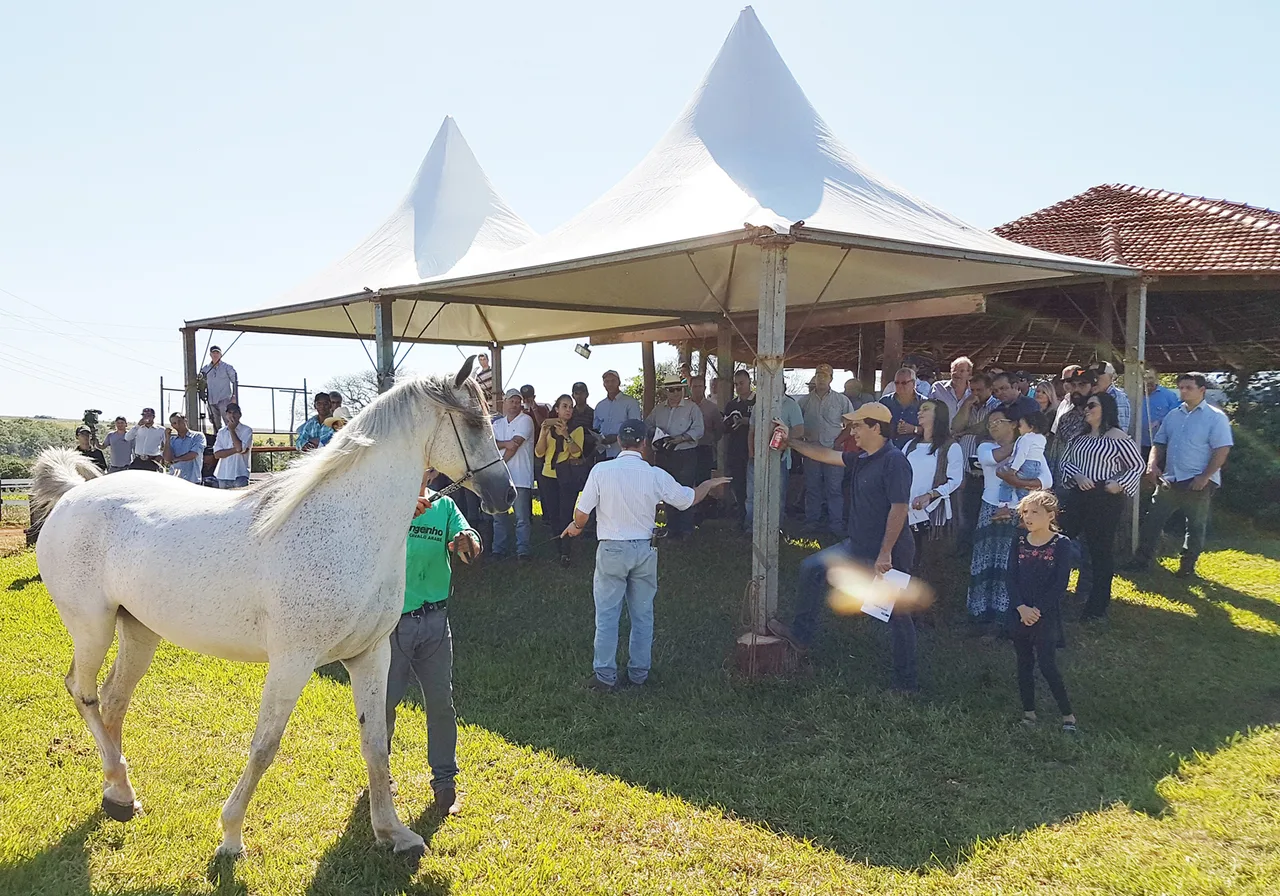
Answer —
1100 467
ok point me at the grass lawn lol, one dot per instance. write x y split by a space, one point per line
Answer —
705 784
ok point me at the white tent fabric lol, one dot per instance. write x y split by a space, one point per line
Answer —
749 149
452 221
670 243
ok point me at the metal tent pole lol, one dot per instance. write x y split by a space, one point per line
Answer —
384 335
189 371
650 375
724 369
1135 356
495 356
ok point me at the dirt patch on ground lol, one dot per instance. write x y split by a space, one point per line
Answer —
12 540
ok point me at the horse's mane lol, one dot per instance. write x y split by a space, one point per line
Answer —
278 496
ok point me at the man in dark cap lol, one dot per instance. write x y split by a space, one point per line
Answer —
223 385
624 494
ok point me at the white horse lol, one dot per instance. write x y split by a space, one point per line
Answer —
304 569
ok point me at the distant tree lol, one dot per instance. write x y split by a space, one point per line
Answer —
25 437
635 386
14 467
358 389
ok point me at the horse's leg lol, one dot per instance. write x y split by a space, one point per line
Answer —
92 631
137 647
286 677
368 672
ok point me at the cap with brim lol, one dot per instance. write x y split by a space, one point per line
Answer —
1071 371
673 382
214 348
872 410
83 431
151 411
511 393
1102 368
329 421
632 431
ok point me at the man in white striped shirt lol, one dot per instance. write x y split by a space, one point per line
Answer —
625 494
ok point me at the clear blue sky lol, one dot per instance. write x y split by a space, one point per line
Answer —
165 161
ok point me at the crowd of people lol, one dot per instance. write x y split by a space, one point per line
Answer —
1025 478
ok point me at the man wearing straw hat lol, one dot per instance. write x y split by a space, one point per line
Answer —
676 426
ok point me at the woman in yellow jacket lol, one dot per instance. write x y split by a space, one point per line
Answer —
559 474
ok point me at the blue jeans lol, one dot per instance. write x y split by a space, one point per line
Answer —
1010 495
523 507
626 571
751 490
823 482
811 595
238 482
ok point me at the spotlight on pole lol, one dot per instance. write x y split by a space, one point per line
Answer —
584 350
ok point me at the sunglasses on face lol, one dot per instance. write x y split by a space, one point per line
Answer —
1092 404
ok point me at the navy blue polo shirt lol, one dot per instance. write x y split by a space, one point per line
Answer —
1020 407
900 411
880 480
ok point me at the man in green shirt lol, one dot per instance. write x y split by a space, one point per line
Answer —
422 644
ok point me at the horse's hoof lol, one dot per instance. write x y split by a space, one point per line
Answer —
225 853
414 854
120 811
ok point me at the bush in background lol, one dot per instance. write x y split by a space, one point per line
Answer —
1251 479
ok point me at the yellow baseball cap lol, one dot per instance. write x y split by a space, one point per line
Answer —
872 410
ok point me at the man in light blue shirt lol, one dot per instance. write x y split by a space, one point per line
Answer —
611 412
1186 460
183 449
313 433
1156 405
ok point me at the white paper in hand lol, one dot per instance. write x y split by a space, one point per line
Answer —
658 433
880 606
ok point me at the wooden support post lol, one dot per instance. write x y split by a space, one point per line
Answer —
724 370
684 358
1106 325
191 390
770 385
892 352
384 337
495 362
1135 355
650 375
867 358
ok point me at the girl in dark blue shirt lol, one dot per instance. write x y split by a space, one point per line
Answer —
1039 566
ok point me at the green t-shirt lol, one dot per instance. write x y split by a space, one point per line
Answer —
427 569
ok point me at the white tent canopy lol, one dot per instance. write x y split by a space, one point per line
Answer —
452 221
751 154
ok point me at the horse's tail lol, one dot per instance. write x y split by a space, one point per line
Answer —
57 471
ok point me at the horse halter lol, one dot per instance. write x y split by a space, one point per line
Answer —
470 474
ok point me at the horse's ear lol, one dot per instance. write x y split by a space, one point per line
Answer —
464 372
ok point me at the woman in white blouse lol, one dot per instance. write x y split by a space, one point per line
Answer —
937 472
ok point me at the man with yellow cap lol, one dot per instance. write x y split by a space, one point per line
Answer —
877 536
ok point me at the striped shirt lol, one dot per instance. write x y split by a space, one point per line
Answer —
1103 459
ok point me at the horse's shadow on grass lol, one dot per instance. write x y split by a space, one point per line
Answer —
355 863
62 869
829 756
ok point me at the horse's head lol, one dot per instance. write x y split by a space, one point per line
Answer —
463 447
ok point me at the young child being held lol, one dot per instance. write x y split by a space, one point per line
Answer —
1027 460
1039 566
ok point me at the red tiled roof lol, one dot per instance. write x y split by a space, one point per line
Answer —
1155 230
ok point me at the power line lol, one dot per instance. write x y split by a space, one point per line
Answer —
75 339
